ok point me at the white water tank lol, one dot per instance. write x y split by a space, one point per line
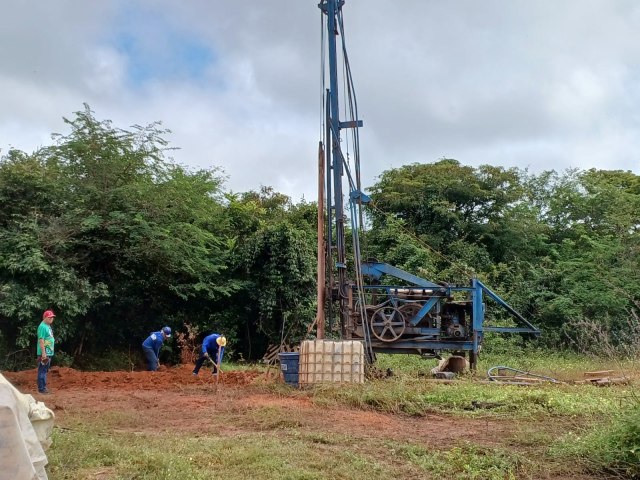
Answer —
329 361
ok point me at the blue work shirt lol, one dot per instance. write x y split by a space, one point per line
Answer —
209 345
154 342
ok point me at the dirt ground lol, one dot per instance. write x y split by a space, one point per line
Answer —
182 400
240 403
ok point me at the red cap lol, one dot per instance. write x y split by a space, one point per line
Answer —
48 314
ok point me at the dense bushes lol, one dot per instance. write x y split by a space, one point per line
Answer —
105 229
562 248
119 241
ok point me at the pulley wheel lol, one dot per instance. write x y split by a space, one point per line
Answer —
387 324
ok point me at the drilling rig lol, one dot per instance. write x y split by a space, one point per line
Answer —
389 309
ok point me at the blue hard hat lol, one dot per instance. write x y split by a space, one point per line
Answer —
166 331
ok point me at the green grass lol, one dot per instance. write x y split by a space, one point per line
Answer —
228 366
467 462
267 418
611 447
560 365
89 453
419 397
410 392
94 451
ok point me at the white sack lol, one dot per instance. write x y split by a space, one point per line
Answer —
25 431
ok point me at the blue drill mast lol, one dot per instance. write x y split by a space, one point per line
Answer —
411 315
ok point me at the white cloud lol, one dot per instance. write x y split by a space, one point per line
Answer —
106 74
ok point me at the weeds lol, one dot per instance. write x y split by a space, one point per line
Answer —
612 449
416 397
466 462
89 453
109 361
614 446
16 360
598 339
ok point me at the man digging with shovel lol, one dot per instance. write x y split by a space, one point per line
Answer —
213 350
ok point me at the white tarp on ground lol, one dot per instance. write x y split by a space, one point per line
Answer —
25 432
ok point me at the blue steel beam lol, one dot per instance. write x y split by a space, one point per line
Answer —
425 345
360 196
519 318
478 315
377 269
424 310
351 124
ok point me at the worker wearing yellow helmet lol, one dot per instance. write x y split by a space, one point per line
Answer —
212 349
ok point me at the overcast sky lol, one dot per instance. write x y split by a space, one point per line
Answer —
537 84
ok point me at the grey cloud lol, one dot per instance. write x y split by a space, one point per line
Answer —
529 84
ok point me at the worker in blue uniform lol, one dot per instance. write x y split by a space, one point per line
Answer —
151 347
213 349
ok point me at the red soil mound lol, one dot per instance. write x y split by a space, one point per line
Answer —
62 378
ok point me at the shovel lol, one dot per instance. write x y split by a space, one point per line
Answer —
218 371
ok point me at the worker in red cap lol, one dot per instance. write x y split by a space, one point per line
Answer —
151 347
44 349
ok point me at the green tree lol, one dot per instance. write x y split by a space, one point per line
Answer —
121 239
446 201
274 260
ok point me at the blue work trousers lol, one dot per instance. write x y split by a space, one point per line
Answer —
213 355
43 369
152 359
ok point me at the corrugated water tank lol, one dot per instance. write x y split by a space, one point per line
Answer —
329 361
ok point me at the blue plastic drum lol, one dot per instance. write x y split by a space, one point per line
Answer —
289 362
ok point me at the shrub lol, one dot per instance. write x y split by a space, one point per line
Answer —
14 361
109 361
63 359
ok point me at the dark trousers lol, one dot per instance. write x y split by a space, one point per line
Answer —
152 359
213 355
43 369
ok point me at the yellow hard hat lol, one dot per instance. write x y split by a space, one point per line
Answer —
221 341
